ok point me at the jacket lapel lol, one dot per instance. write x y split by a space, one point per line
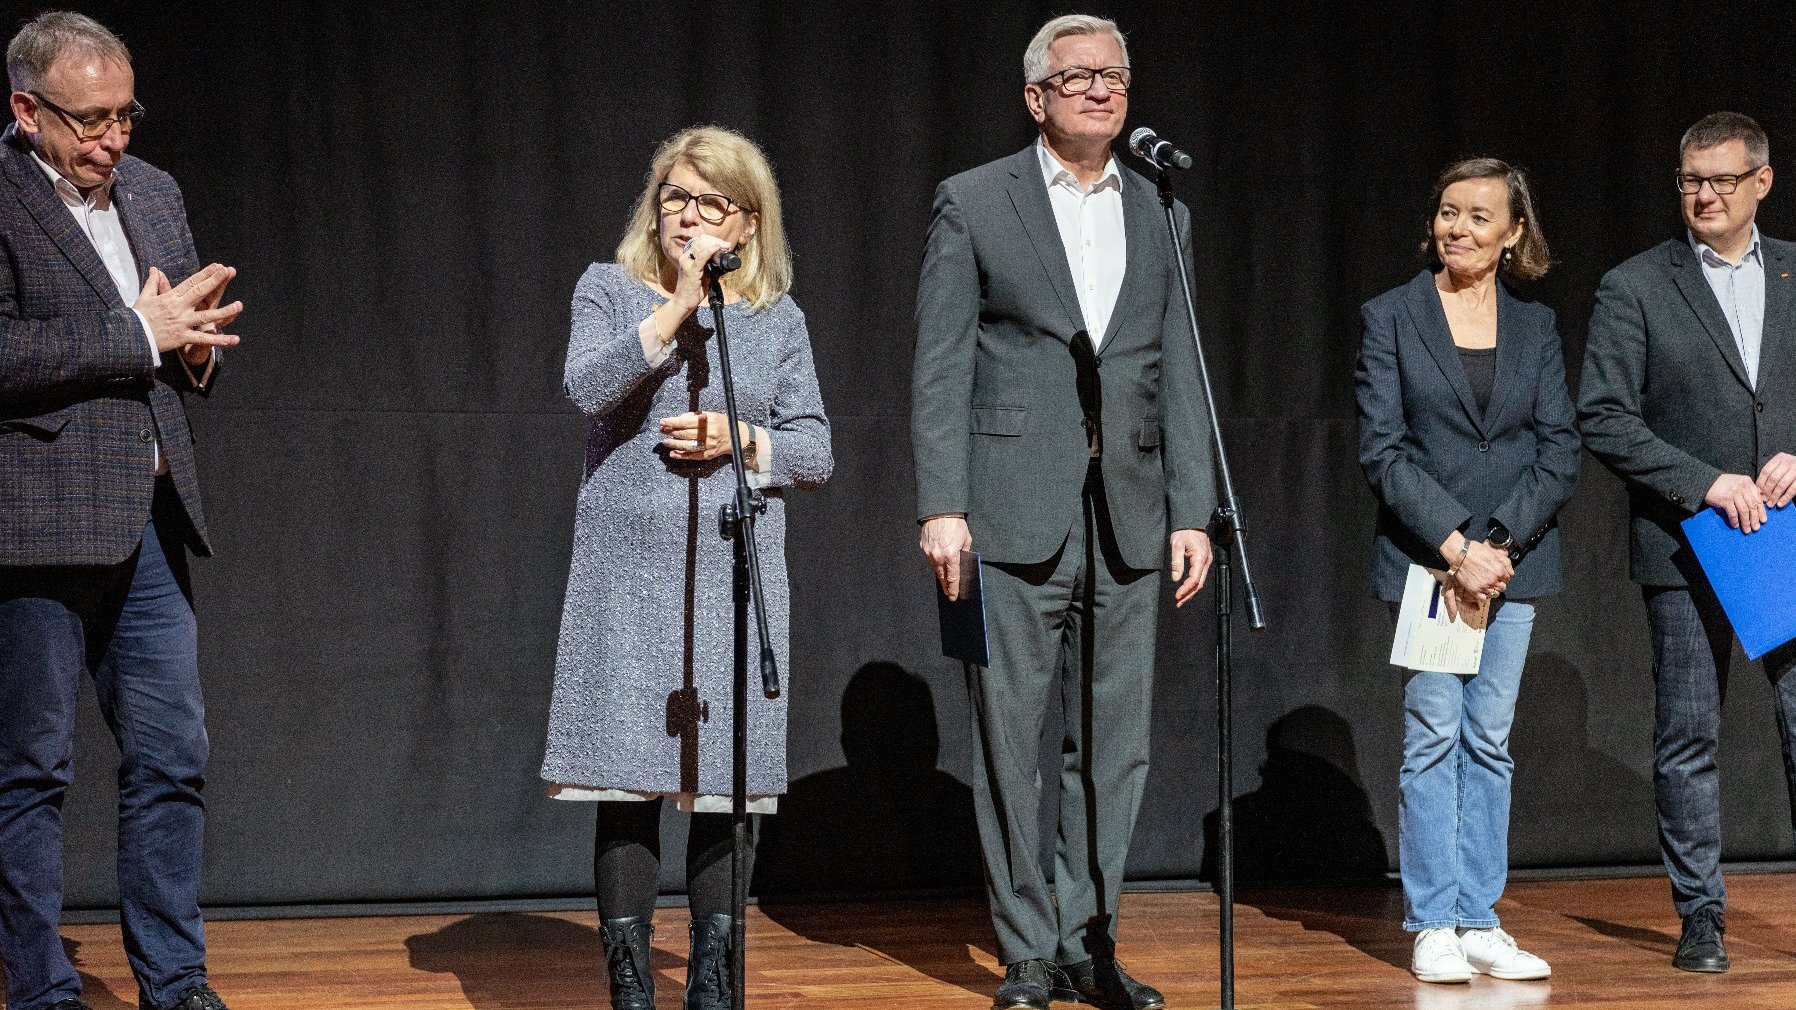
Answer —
40 199
1139 211
1431 323
140 233
1030 198
1777 347
1509 357
1686 270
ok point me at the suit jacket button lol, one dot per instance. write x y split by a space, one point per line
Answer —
146 435
1483 446
1759 407
1677 498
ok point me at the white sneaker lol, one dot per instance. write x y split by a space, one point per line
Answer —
1438 957
1493 952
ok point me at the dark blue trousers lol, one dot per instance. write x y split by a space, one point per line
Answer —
131 626
1692 643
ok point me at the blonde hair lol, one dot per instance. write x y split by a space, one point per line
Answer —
739 170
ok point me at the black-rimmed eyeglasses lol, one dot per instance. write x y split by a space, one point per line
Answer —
94 127
1078 80
712 207
1689 185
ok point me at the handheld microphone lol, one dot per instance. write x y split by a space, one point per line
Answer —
1157 150
722 262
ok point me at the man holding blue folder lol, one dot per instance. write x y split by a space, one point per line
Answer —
1689 395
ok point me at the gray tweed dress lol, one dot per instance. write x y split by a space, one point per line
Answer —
643 671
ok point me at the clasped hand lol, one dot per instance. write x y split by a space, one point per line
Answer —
1484 574
186 316
1744 500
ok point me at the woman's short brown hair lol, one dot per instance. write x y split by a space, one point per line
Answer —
1529 260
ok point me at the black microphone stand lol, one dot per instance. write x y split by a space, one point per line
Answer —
736 523
1230 536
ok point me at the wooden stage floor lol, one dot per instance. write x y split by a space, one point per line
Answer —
1609 941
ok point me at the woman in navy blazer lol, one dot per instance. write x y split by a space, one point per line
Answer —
1468 439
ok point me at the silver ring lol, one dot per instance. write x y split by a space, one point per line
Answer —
695 444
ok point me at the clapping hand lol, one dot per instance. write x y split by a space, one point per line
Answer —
187 315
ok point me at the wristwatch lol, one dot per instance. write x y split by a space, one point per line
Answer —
1502 540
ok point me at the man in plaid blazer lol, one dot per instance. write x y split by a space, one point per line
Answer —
99 505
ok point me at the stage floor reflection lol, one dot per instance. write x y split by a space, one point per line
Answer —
1609 941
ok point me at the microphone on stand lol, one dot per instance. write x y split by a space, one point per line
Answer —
1157 150
722 262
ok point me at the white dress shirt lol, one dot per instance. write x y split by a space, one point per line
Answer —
1091 230
97 217
1740 288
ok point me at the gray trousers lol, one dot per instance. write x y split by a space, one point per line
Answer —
1692 645
1083 623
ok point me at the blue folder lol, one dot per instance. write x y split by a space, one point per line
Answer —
1751 573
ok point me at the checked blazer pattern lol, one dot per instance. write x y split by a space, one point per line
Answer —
81 402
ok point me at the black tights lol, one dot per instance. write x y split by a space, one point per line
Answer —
626 859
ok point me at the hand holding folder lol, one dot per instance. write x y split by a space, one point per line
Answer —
963 619
1750 573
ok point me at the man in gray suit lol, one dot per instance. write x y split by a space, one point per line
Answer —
1689 395
1059 430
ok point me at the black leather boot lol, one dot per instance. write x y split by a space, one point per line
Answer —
708 966
627 957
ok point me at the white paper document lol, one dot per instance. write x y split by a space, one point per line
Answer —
1427 637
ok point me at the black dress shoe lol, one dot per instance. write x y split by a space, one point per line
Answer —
1700 948
1102 983
1027 984
70 1004
200 997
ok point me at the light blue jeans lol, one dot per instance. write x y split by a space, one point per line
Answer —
1453 815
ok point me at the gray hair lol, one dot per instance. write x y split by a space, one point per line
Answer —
51 34
1718 128
1035 58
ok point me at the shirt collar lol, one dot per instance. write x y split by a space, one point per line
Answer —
1053 173
100 198
1710 257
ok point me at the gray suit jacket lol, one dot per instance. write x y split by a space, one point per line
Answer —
1006 382
81 402
1436 464
1665 402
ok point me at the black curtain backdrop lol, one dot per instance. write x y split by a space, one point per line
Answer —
410 192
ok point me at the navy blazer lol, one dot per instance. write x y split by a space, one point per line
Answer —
1435 464
82 403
